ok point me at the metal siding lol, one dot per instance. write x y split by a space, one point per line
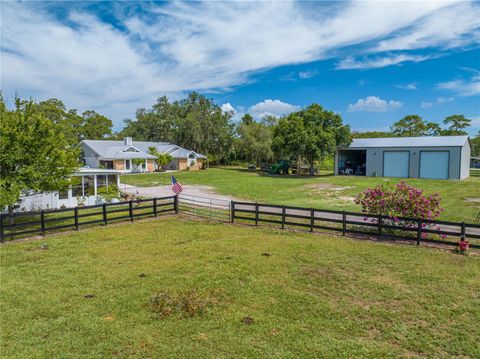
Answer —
374 163
465 161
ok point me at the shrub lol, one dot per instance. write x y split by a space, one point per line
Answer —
108 194
401 200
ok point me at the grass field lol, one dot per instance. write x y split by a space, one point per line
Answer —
315 296
461 199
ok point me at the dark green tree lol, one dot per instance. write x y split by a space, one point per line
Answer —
310 134
456 125
35 156
414 125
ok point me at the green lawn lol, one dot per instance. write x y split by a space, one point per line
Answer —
314 296
327 191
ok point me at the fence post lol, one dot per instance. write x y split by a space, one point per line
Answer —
75 217
462 234
312 219
155 206
419 230
1 228
344 223
256 214
130 210
283 217
232 211
42 221
105 213
379 218
175 203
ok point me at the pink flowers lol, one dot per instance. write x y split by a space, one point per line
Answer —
401 200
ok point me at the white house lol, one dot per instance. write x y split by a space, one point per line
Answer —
84 190
133 156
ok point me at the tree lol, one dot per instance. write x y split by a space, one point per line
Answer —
254 142
195 122
95 126
75 128
34 153
476 145
162 158
457 125
372 134
310 134
414 125
247 119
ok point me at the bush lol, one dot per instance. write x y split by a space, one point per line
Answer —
108 194
400 201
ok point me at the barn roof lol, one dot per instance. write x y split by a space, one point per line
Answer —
425 141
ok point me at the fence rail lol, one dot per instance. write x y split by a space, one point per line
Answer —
22 224
413 229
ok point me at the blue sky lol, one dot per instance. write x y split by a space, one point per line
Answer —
373 62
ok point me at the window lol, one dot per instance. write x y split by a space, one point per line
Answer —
63 194
88 186
112 180
127 164
130 149
107 164
101 181
77 188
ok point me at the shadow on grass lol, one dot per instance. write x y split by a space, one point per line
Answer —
266 174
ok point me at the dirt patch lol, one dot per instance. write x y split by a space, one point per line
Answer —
326 186
346 198
477 200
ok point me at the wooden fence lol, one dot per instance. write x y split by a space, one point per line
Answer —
22 224
413 229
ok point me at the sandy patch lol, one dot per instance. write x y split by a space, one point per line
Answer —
326 186
472 200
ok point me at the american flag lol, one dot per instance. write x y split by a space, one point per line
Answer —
176 186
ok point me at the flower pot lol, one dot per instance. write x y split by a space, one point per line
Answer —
463 245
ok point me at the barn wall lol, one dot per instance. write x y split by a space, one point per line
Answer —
458 155
465 161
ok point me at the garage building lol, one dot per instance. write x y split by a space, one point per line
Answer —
438 157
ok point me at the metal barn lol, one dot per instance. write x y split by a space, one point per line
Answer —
437 157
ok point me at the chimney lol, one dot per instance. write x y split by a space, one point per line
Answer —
127 141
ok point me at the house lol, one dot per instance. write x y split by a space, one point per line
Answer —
84 190
133 156
439 157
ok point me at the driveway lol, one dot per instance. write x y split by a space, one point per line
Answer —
163 191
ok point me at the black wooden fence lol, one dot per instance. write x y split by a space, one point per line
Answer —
21 224
384 227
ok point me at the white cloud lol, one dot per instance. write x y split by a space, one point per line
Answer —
377 62
374 104
182 46
410 86
425 105
439 100
275 108
227 107
306 74
464 87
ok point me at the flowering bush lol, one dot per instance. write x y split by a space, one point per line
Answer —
400 201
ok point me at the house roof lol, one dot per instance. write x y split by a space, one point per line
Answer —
425 141
117 149
99 171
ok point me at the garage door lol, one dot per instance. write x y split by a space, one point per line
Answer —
396 163
434 164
